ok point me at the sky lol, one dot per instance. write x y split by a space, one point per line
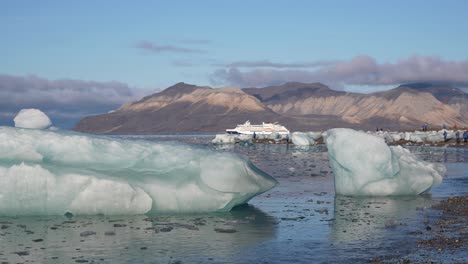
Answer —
95 55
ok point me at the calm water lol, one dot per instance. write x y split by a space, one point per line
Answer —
301 220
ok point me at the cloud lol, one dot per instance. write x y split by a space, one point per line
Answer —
157 48
360 70
269 64
66 101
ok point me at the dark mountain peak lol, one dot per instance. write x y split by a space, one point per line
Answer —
290 91
182 87
178 88
300 85
416 86
443 92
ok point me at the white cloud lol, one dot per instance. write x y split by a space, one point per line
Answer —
62 99
360 70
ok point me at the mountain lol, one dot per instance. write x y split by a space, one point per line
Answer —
185 108
291 91
405 106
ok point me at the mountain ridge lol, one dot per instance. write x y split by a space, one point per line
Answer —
186 108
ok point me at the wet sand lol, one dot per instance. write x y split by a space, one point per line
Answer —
442 239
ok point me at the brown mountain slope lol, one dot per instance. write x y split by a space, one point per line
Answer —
291 91
405 106
185 108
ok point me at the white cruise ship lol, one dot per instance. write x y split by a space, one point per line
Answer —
264 128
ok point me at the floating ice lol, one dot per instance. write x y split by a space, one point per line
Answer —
435 138
54 172
32 118
231 139
390 136
274 136
416 136
363 165
302 139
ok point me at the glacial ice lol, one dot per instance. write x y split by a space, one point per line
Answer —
32 118
45 172
416 136
363 165
305 139
232 139
244 138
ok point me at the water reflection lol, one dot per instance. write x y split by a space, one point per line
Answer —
362 218
167 238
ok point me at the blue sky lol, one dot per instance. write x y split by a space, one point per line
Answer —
97 40
78 58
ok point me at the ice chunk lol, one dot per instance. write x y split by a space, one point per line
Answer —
46 172
32 118
232 139
363 165
275 136
224 139
390 136
303 139
435 138
418 137
315 135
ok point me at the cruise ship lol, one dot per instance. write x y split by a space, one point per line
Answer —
264 128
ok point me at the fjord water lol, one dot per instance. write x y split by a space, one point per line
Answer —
301 220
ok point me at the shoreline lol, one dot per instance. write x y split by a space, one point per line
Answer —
441 138
319 141
441 238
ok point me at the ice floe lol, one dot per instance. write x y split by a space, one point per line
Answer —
305 139
232 139
45 172
419 137
364 165
32 118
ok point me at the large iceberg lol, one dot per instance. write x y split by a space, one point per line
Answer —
32 118
54 172
363 165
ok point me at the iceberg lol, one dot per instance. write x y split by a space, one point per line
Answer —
305 139
32 118
363 165
435 138
416 136
44 172
232 139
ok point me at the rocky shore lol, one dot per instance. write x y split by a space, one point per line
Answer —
443 237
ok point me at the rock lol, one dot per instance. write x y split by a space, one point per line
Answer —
166 229
22 253
391 223
87 233
225 230
68 215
